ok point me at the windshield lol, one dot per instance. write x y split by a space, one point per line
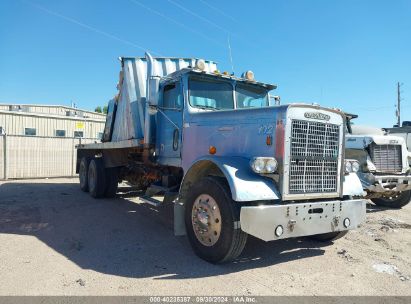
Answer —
249 96
209 94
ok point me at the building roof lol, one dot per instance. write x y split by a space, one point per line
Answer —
50 110
50 106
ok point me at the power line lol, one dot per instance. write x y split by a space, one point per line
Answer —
89 27
175 21
221 12
204 19
198 16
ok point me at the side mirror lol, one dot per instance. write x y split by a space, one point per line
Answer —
153 92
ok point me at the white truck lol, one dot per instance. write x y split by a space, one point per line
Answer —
405 133
383 168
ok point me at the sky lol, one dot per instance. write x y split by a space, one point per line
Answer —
346 54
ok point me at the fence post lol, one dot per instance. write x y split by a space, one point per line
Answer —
72 156
5 156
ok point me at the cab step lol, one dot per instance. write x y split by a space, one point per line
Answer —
158 201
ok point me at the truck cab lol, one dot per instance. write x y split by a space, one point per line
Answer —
232 161
383 163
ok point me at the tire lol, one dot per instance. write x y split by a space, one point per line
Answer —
223 241
83 173
328 237
111 182
96 178
397 202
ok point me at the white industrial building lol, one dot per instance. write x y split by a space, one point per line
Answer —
39 140
45 120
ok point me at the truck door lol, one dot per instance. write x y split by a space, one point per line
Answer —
169 122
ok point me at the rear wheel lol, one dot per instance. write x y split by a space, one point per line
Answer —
397 200
211 219
83 173
111 182
96 178
327 237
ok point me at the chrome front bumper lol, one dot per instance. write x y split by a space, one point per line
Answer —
301 219
376 183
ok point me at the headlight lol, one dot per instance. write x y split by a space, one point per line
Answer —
348 167
263 164
351 166
271 165
258 165
355 166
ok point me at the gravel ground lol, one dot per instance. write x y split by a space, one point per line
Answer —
56 240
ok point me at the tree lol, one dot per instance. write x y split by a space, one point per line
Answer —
105 109
98 109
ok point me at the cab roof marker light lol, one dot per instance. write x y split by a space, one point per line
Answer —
249 75
200 64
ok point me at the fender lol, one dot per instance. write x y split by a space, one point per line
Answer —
352 185
245 185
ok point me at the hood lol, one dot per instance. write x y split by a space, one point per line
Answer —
363 141
366 130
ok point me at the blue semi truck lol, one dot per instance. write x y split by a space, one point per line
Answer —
230 158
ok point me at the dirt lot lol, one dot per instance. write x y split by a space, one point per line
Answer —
56 240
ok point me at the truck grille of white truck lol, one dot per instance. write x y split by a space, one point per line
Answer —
314 155
387 158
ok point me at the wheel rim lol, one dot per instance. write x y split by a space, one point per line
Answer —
206 220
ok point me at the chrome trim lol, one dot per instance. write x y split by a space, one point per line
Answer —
386 158
301 219
296 112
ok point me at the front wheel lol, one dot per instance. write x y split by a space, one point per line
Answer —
397 200
211 219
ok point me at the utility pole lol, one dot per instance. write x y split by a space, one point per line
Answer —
398 104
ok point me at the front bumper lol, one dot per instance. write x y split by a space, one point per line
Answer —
301 219
384 183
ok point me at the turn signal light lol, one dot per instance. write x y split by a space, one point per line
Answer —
269 140
212 150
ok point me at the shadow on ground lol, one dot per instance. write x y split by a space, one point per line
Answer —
121 237
371 208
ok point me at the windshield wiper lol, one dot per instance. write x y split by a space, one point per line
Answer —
208 108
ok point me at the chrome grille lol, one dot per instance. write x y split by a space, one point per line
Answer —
314 154
387 158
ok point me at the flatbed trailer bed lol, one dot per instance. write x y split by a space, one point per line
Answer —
131 143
